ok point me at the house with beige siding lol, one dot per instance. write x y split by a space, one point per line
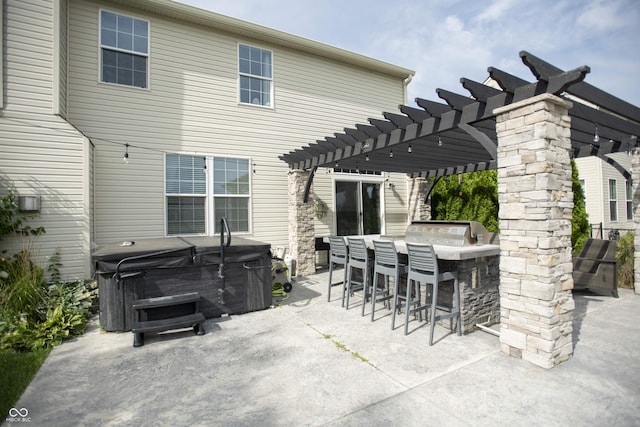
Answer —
608 193
149 118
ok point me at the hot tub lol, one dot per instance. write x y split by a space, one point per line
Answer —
149 268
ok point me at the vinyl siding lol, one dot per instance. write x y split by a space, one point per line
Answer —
60 60
596 173
29 56
41 153
191 106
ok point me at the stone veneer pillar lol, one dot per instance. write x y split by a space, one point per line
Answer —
301 229
418 209
536 203
635 179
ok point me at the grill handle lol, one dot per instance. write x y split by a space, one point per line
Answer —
260 267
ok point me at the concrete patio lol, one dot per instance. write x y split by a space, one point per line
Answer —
310 362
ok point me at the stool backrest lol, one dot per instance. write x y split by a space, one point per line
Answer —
338 248
422 259
385 253
357 249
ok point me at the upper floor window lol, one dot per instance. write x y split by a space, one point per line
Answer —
256 75
124 50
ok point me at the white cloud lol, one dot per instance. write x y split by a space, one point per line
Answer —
600 15
497 10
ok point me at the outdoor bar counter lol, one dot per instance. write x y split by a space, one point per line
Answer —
471 251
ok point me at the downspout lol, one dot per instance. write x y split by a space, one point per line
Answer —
405 83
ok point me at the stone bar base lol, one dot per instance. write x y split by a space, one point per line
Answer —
480 298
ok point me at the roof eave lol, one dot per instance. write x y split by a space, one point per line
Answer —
242 28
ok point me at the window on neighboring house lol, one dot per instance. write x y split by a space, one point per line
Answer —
190 195
256 75
124 50
613 200
629 201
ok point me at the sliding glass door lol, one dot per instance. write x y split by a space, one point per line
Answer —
358 208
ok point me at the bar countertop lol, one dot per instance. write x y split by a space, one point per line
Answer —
444 252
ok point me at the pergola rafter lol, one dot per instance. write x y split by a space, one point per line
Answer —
458 135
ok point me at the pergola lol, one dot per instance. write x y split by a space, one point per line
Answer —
528 131
459 134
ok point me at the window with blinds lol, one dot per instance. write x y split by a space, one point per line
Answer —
195 204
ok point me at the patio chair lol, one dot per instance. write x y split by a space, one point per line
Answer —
359 259
423 267
595 267
338 254
387 265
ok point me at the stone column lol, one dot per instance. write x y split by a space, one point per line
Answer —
635 179
301 229
418 209
536 203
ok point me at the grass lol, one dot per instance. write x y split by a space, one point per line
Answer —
16 372
342 347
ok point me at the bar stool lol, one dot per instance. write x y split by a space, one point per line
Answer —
358 258
387 265
423 268
338 254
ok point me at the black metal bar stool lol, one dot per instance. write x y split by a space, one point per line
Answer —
338 254
387 265
423 268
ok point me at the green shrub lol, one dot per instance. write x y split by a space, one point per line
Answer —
21 285
471 196
580 230
625 258
63 313
12 220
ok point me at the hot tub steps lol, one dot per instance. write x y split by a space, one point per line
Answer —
141 324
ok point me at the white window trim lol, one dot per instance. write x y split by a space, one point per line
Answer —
271 105
354 177
147 55
211 227
613 198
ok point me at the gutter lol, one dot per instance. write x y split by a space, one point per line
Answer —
205 18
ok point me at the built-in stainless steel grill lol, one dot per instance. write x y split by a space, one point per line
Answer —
449 233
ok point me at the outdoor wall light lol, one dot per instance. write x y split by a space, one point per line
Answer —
439 141
409 150
366 158
29 203
596 137
391 154
125 158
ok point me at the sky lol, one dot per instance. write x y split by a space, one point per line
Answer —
444 40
